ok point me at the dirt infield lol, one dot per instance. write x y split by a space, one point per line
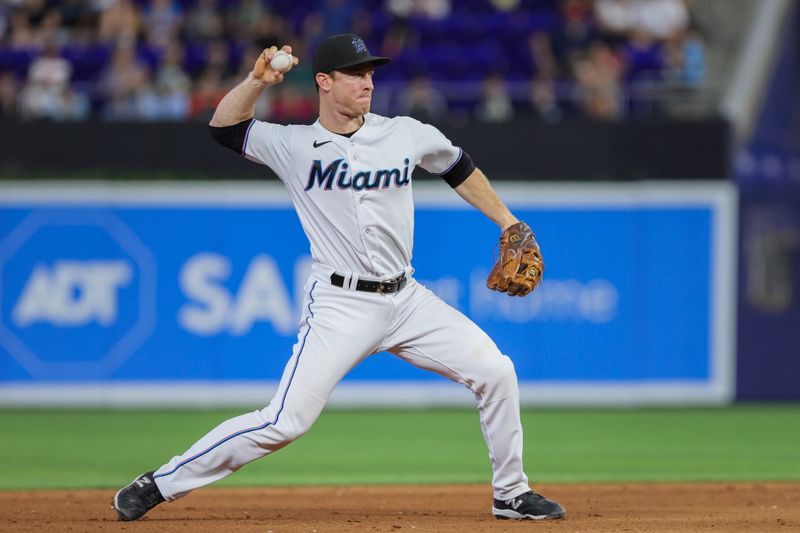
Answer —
592 508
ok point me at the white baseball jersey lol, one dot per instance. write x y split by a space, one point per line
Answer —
353 195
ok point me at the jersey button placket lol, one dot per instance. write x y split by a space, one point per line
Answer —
351 156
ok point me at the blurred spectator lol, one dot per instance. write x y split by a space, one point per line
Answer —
74 13
119 21
432 9
168 98
400 8
694 59
266 33
542 58
203 23
47 93
659 18
41 21
78 21
645 64
684 58
249 15
362 25
156 102
121 82
207 93
576 32
218 55
335 16
599 83
22 33
293 104
422 101
397 40
8 95
495 103
615 18
4 23
73 105
643 56
170 72
505 5
545 101
162 19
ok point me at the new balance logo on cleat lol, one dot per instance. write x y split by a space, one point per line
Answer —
135 499
528 506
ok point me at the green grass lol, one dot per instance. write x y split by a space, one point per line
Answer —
49 449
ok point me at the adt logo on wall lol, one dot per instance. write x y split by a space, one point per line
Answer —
78 293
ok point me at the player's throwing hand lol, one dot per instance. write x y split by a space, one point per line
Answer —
265 72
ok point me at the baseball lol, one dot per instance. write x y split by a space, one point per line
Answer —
281 61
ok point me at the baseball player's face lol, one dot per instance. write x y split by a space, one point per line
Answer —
352 90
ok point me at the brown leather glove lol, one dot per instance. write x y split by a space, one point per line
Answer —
519 267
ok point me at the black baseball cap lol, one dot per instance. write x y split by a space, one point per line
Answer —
342 51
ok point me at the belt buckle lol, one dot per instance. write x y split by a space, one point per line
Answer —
398 282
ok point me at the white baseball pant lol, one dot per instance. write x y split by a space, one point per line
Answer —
338 329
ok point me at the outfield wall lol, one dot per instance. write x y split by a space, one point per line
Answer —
575 150
159 294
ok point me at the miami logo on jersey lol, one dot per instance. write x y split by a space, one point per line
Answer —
364 180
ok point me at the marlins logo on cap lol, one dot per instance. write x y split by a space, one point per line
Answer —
359 45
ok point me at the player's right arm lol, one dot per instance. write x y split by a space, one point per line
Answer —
239 104
234 127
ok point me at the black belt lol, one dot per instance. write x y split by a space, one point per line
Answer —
383 287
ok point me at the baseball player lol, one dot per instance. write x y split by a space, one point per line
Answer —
349 177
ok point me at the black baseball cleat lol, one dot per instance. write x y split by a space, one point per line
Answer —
528 506
134 500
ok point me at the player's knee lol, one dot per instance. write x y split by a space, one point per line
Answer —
290 433
293 425
289 425
500 379
505 373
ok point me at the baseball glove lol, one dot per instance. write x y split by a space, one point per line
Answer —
519 267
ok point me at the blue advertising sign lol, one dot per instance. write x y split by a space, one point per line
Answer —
195 291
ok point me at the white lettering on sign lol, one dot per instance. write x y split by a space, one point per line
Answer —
72 293
560 300
213 309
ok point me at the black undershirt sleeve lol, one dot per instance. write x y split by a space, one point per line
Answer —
232 137
460 171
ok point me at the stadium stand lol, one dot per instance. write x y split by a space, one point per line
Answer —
172 60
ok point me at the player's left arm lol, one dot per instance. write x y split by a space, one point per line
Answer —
520 266
440 157
478 192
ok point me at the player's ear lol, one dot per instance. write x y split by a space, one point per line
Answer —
323 81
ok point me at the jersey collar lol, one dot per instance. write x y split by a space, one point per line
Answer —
367 119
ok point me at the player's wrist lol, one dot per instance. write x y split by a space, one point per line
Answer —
256 81
508 222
